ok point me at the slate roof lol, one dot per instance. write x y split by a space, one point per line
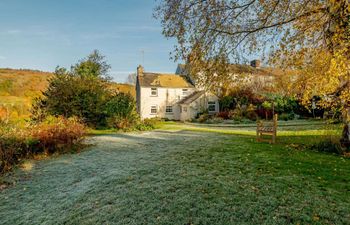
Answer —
192 97
163 80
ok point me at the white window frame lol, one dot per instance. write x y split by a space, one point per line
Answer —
154 107
210 104
184 109
185 91
169 109
154 92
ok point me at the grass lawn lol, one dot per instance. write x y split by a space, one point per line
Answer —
184 174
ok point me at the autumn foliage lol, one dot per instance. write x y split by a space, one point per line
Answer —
54 135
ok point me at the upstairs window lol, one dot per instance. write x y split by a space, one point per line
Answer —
184 92
154 92
153 109
169 109
211 106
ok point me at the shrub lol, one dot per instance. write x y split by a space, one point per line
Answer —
236 114
58 134
224 115
286 116
121 112
13 148
329 145
215 120
148 124
55 134
203 118
227 103
251 113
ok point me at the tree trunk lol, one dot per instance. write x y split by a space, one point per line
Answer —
345 139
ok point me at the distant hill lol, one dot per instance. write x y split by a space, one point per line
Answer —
125 88
18 87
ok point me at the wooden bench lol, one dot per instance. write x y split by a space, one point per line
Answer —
267 128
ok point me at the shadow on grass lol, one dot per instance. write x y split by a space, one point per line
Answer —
182 177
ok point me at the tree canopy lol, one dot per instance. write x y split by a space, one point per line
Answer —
85 92
311 36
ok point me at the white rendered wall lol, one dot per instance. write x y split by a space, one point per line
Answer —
166 96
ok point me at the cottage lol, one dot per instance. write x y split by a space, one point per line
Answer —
171 96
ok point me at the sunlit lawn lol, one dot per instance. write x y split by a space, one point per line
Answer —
185 174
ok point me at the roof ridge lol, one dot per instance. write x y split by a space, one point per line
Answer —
190 98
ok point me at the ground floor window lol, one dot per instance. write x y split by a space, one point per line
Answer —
153 109
169 109
184 109
211 106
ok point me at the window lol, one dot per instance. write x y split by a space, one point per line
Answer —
169 109
184 109
185 92
211 106
153 109
154 92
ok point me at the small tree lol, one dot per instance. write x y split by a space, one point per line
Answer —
81 92
121 111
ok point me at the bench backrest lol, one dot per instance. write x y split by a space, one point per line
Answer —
272 123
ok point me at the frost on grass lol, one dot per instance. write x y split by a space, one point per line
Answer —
180 177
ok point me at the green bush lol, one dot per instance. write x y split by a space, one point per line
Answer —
236 114
286 116
203 118
329 145
121 112
251 113
148 124
215 120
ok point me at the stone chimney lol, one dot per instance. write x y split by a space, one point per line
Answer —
255 63
140 70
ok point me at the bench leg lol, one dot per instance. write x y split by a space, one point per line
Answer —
274 138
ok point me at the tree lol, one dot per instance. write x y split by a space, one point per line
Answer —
93 66
85 91
309 36
214 33
82 91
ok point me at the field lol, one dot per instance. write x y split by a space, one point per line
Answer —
185 174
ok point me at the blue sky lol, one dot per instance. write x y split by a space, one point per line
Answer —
41 34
